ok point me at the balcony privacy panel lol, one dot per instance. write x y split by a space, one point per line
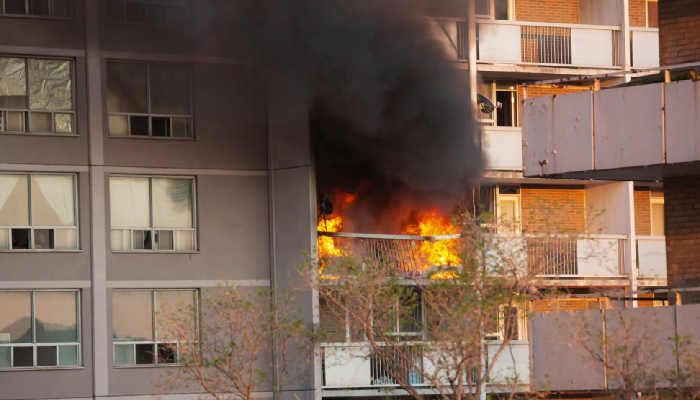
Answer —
592 48
503 148
682 121
563 124
513 364
628 126
346 366
499 43
645 49
598 257
651 257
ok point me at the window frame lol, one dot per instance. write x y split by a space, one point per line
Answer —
28 111
187 5
34 345
34 16
195 241
491 4
32 228
493 89
148 114
154 320
517 225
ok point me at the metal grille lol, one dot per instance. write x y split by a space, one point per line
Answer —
403 361
552 255
545 44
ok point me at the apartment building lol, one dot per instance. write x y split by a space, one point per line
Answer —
142 163
642 132
505 45
135 172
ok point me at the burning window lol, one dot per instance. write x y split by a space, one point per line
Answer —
149 100
38 212
36 95
147 12
37 8
152 213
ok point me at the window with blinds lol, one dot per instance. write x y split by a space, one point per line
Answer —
152 213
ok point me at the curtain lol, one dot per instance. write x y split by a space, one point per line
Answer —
172 203
14 210
129 202
59 193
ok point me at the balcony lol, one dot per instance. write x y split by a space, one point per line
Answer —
352 366
643 132
554 256
547 44
502 147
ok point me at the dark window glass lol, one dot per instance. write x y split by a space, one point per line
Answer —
23 357
160 126
20 238
44 239
39 7
166 355
139 125
507 114
144 354
46 356
15 7
501 9
126 87
482 7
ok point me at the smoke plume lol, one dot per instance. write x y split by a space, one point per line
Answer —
388 112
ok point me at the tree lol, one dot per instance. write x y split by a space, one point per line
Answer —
226 342
430 326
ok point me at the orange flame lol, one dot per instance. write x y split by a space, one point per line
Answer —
440 253
327 246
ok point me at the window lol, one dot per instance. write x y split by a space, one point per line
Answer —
152 213
406 318
38 212
652 13
137 337
512 322
38 8
657 216
147 12
505 96
148 100
495 9
36 95
39 329
508 198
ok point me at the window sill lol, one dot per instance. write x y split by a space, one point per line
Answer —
39 251
178 139
28 16
157 251
169 365
40 369
3 133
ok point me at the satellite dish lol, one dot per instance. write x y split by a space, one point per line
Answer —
486 106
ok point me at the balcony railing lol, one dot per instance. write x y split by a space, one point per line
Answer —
502 147
583 256
354 366
546 44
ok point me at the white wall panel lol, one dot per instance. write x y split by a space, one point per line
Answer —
591 48
499 43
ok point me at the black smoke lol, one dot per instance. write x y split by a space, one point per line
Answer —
388 112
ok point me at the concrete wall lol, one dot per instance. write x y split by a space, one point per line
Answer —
678 24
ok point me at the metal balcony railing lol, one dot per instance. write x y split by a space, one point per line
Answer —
548 255
547 44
